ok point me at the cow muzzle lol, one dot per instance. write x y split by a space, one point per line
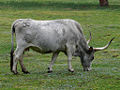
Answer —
87 68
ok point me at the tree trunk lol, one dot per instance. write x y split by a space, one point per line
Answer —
103 2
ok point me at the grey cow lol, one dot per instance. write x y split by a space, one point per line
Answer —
51 36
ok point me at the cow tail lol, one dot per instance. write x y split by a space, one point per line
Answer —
12 48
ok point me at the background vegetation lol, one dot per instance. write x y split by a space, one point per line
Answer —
103 22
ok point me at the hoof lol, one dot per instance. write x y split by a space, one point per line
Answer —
15 73
71 70
26 72
50 71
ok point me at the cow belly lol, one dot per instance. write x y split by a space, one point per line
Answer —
47 46
48 41
37 49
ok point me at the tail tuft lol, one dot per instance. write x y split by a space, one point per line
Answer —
11 59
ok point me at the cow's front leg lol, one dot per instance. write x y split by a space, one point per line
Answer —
69 63
22 65
69 54
55 54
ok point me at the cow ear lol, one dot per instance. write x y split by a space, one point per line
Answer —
90 50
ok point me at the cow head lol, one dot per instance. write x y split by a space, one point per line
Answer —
87 58
87 55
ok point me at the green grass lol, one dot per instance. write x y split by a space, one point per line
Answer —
103 22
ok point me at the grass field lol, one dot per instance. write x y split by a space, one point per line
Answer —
103 22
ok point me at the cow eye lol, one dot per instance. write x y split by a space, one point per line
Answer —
92 58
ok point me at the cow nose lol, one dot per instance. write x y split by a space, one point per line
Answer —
87 68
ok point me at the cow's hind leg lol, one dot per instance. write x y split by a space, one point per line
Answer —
22 65
17 54
55 54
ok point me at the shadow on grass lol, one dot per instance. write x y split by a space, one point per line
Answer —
30 5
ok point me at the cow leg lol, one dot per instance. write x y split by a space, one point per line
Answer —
69 54
22 65
52 61
17 55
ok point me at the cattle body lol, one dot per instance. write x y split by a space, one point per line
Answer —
51 36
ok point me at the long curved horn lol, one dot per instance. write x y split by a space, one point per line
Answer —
105 47
89 38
